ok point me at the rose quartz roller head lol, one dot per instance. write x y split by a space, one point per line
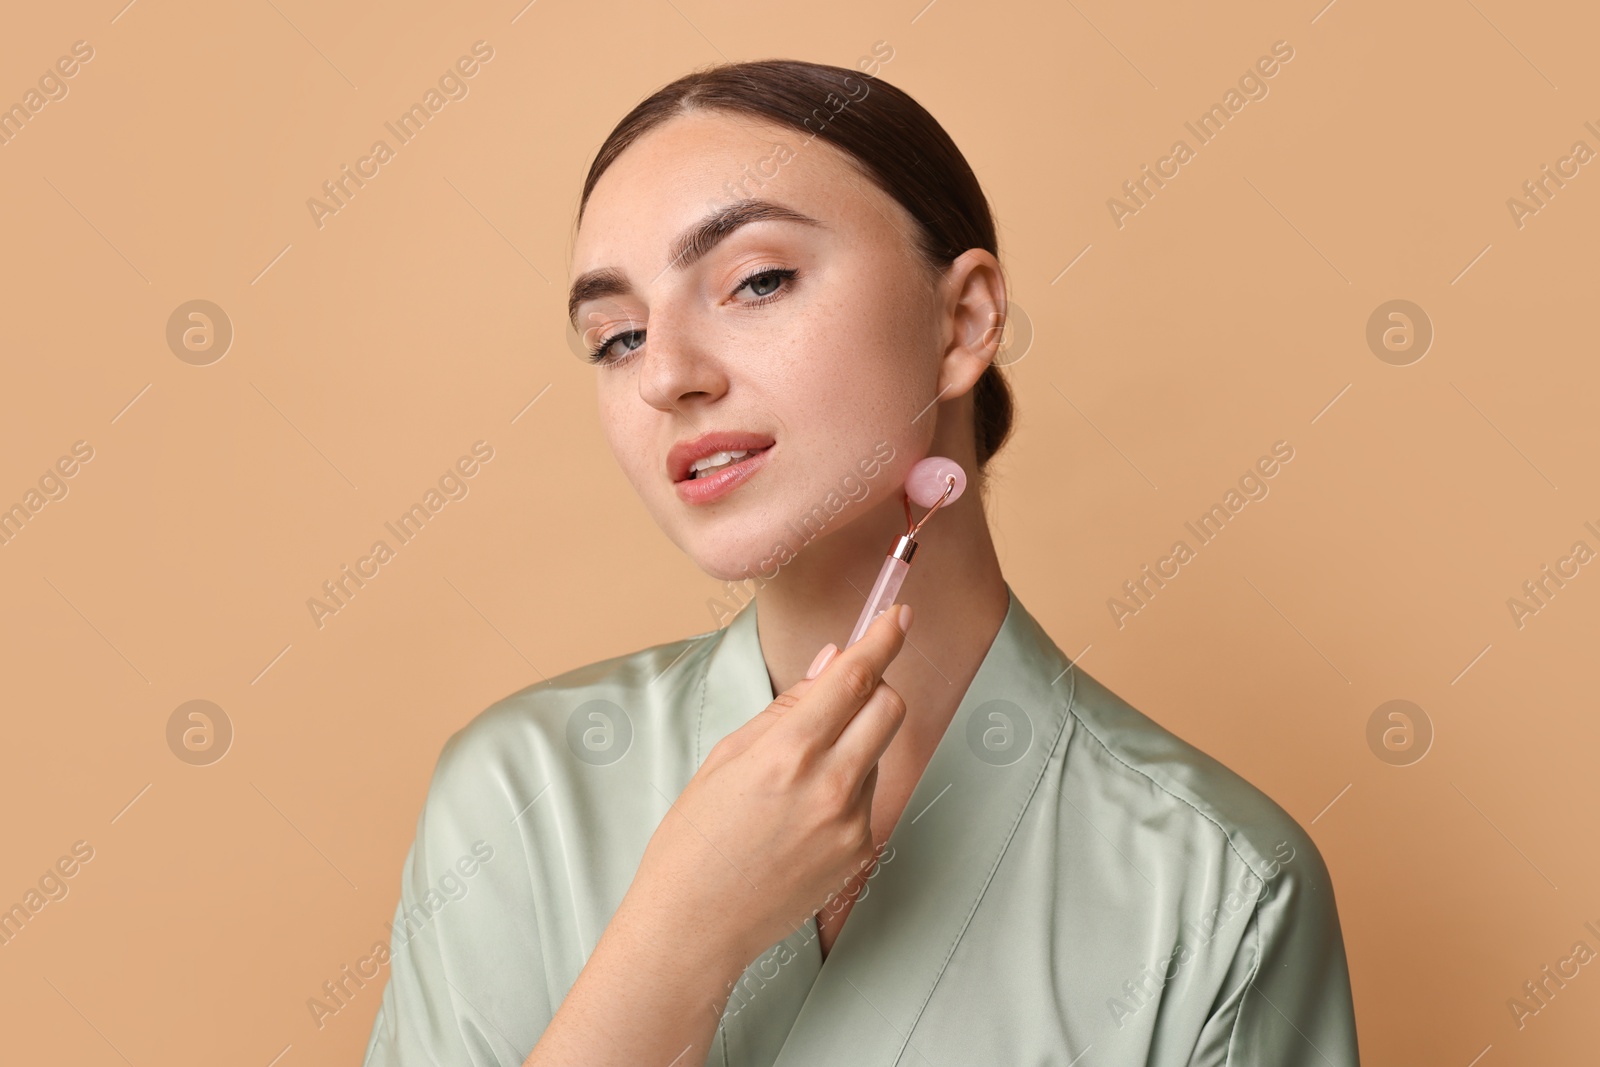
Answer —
932 483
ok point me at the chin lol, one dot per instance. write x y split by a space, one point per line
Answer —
736 552
749 560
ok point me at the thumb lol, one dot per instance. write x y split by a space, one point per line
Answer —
791 696
762 721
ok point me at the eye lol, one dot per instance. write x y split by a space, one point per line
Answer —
600 352
764 283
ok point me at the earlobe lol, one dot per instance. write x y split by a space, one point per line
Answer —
963 365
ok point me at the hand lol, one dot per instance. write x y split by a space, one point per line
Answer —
780 813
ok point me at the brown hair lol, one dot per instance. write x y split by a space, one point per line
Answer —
898 146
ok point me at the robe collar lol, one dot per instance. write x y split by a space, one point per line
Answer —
863 1003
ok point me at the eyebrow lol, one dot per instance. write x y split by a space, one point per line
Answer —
691 245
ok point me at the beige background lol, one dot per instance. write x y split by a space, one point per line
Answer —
1227 314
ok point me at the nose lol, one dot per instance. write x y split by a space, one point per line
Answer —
678 368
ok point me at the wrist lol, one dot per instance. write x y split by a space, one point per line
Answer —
684 935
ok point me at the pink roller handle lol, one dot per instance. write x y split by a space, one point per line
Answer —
884 590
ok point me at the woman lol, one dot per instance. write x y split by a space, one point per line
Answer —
942 847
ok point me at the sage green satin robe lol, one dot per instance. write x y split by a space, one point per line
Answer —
1069 884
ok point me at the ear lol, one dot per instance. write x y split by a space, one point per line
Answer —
974 309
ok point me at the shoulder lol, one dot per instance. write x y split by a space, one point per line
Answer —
1164 781
1254 897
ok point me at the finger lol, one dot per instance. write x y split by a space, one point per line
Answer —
866 737
762 721
824 657
791 696
846 683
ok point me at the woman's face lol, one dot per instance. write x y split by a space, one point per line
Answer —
822 340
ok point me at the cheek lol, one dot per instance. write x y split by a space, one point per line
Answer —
848 429
870 352
877 374
617 423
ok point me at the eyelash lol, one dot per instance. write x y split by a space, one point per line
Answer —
787 274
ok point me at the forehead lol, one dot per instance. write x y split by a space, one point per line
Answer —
695 162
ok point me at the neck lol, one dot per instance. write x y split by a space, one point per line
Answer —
954 587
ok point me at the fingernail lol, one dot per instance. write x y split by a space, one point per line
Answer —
822 660
905 618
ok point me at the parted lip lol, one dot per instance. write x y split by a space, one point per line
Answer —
686 454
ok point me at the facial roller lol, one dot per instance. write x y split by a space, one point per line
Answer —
932 483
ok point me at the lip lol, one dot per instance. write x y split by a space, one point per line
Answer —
703 490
